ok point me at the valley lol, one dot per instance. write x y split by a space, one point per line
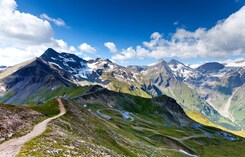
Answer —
156 130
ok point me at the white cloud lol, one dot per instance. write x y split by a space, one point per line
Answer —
86 48
58 21
111 46
24 36
194 66
21 28
226 39
87 58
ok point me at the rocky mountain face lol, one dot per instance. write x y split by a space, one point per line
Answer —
24 82
213 89
220 86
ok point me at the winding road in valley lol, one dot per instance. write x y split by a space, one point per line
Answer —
125 115
12 147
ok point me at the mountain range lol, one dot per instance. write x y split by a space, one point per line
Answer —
63 105
213 89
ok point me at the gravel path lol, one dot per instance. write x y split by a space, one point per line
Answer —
12 147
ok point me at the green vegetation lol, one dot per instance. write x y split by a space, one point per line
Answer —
237 108
154 132
198 117
50 108
45 94
7 96
140 105
81 132
11 107
124 86
217 147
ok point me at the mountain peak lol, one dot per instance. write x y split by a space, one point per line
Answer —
163 63
99 59
210 67
50 52
175 62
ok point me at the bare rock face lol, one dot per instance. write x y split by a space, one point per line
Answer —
16 120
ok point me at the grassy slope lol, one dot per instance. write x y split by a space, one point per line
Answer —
116 137
182 94
82 132
198 117
8 95
124 86
238 106
43 95
49 109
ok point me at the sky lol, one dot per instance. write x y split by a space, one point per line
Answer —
129 32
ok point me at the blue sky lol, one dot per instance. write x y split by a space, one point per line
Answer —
127 24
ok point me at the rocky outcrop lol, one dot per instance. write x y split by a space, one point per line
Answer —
16 120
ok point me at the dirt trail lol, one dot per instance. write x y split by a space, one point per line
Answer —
12 147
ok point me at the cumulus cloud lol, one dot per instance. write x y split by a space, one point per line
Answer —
21 28
111 46
86 48
226 39
58 21
24 36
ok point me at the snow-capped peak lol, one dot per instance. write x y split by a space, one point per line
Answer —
179 69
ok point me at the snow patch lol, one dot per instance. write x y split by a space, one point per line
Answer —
3 89
111 66
61 57
92 66
53 58
65 64
55 64
69 60
181 70
81 74
184 152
